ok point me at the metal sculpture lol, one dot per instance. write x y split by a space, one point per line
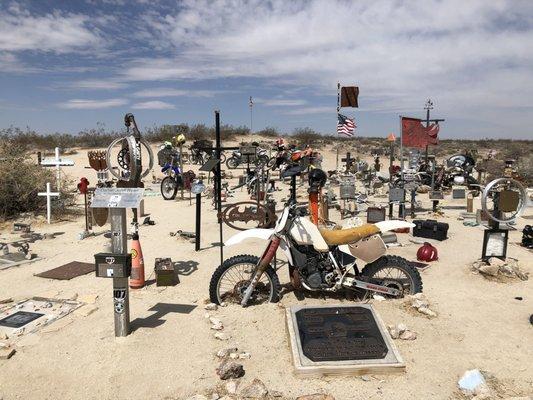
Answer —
509 198
252 211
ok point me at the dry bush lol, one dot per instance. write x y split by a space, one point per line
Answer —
21 179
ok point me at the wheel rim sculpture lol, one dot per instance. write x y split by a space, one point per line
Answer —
129 158
497 186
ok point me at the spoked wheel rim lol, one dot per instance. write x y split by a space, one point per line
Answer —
235 280
393 277
168 187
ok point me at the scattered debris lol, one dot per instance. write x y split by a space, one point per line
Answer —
225 353
472 383
221 336
419 302
256 390
216 324
400 331
6 353
500 270
229 370
232 386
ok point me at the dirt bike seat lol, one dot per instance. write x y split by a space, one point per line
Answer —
337 237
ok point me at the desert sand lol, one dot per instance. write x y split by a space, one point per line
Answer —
479 325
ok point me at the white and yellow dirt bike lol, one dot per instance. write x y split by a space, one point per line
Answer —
319 260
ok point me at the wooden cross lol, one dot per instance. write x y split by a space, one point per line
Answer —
48 194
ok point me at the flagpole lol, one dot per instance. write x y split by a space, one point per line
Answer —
251 120
338 110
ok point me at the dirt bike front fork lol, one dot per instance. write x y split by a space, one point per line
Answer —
261 267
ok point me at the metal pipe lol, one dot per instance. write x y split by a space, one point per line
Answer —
119 245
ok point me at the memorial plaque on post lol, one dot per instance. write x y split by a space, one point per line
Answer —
396 195
117 197
436 195
458 193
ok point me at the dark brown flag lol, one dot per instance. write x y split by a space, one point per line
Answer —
349 96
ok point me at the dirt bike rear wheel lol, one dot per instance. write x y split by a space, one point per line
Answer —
232 277
396 272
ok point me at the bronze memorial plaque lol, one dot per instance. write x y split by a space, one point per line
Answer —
340 340
340 333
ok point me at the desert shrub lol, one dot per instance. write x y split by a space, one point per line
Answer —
21 179
269 132
306 136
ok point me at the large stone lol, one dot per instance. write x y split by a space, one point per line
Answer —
256 390
491 270
498 262
231 386
229 370
316 396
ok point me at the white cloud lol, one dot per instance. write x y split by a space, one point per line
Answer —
85 104
280 102
153 105
98 84
399 53
56 32
168 92
312 110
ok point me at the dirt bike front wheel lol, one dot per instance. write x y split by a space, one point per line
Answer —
230 280
395 272
232 163
169 188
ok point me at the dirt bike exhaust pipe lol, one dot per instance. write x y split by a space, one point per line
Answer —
263 264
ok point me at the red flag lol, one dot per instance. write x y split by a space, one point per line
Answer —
414 134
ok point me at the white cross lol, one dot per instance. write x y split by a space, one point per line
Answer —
48 194
57 162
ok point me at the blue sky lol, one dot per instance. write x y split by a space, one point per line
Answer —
68 64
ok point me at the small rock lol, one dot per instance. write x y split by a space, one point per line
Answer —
365 378
491 270
231 386
471 381
211 307
215 396
207 315
401 328
4 344
223 304
316 396
245 355
6 353
417 303
408 335
224 353
197 397
229 370
427 311
217 327
234 356
3 336
221 336
275 393
256 390
47 305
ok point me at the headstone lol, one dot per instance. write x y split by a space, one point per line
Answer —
340 340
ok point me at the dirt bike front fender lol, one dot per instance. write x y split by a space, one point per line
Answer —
258 233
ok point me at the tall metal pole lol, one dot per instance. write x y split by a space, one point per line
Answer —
251 104
428 106
218 183
121 298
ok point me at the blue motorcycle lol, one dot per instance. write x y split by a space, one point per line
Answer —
169 161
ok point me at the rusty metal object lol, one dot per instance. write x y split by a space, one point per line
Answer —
97 160
247 211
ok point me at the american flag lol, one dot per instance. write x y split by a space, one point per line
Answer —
345 125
